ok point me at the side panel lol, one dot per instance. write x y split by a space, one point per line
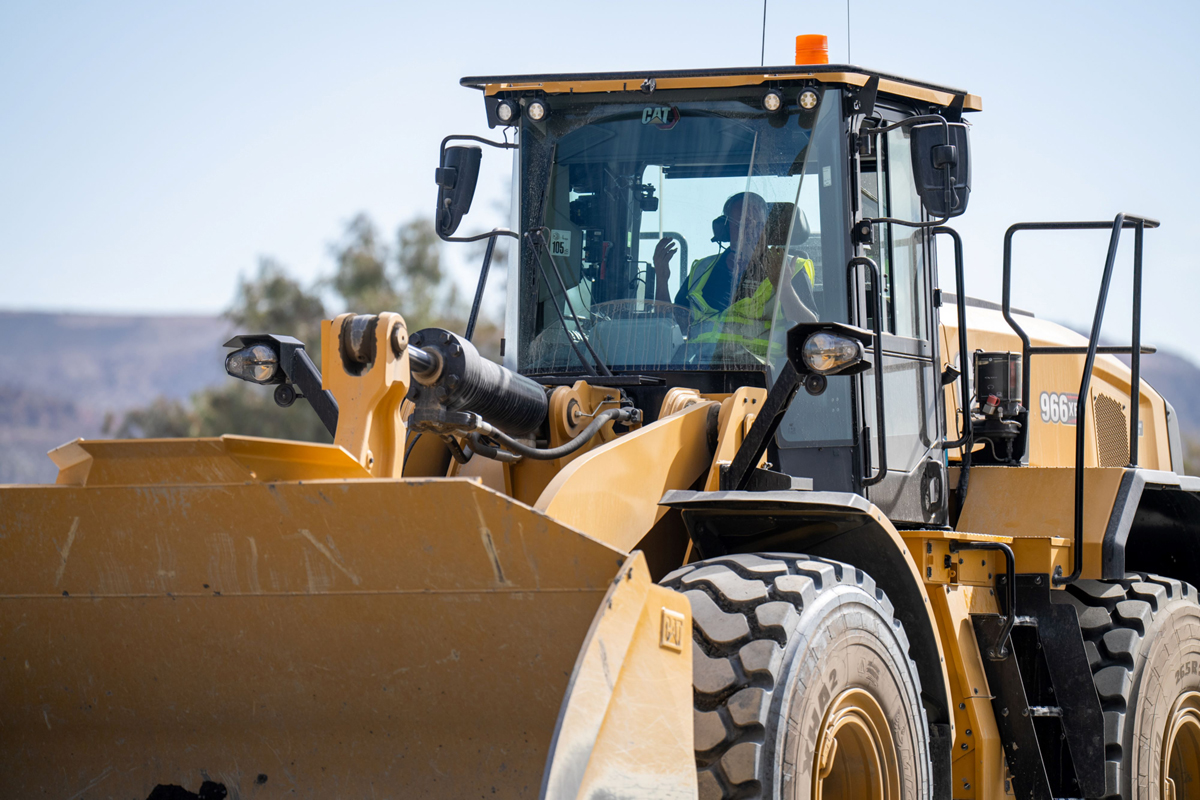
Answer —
1039 503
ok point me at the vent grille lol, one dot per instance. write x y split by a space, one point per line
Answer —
1112 431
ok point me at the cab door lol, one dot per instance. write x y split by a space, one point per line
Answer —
913 487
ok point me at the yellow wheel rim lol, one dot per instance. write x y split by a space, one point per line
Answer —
1181 750
855 755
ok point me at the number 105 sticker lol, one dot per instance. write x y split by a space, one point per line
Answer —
1058 407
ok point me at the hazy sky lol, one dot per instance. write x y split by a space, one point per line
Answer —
150 152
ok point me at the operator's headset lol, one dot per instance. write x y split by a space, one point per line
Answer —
782 218
720 225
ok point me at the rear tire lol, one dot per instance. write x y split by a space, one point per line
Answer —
1142 636
801 675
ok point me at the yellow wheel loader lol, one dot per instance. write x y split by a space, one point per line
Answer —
752 507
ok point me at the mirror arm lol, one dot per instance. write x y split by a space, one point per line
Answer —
908 223
466 137
479 287
489 235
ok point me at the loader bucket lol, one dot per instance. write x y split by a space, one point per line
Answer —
332 638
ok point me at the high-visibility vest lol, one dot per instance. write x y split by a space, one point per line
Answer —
745 322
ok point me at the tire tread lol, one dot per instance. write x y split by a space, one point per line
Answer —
747 609
1115 617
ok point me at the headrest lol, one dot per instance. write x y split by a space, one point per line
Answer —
783 218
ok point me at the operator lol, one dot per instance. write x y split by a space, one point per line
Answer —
730 295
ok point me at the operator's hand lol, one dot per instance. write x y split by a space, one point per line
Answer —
662 268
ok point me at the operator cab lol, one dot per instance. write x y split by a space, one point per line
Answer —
755 183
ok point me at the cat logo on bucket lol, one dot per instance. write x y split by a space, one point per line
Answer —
672 630
662 117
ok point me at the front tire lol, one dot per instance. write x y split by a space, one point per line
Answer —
803 686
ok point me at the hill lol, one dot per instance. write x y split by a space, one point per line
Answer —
62 374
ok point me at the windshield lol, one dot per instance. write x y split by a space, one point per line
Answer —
685 235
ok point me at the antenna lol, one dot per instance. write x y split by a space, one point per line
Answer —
848 59
763 59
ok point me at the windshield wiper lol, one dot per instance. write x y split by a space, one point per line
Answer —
537 239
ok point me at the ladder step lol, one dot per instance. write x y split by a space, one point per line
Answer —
1045 711
1028 622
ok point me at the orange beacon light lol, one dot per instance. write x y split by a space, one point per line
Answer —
812 48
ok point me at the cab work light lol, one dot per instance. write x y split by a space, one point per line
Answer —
506 111
536 110
828 348
257 363
829 354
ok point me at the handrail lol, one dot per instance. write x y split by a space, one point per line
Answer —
1120 222
877 351
968 438
999 650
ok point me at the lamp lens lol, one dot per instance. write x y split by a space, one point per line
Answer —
256 363
828 354
536 110
808 99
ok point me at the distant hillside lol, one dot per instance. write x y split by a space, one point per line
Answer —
61 374
1178 380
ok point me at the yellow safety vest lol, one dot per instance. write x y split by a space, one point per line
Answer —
745 322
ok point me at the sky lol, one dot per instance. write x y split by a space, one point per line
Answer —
150 153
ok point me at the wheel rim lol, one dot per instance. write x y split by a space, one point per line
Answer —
855 755
1181 753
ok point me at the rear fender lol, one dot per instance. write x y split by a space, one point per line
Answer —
1154 527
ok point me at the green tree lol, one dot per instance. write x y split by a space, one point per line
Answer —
274 302
362 278
430 299
238 408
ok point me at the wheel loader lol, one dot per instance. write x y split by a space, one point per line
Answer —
752 507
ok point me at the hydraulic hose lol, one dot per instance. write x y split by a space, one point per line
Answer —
549 454
487 451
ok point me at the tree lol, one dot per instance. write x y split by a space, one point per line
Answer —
361 279
273 302
431 299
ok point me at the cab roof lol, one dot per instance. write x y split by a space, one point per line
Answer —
600 82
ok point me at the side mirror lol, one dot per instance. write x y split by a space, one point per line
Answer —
456 179
941 171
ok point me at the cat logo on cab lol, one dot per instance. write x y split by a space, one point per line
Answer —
662 117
